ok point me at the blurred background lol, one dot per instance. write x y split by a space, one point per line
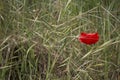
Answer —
38 40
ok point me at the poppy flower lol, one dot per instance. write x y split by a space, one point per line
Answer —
88 38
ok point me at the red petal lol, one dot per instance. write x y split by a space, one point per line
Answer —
88 38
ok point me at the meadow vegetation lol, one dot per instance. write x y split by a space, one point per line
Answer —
39 40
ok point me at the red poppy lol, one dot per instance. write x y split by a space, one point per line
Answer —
88 38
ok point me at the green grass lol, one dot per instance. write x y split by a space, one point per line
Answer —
38 40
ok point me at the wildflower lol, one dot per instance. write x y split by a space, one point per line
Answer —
89 38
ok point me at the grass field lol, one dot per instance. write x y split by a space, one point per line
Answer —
39 40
